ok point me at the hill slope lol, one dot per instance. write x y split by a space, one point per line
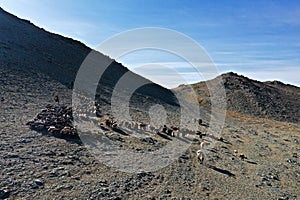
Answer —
272 100
35 64
26 47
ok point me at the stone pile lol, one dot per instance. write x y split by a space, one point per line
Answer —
54 119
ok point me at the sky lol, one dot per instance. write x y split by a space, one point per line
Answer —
258 39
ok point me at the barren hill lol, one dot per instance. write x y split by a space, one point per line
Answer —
26 47
35 64
272 100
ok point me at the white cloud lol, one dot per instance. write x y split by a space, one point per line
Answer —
172 74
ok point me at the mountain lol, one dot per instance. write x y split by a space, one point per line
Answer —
36 64
25 47
271 100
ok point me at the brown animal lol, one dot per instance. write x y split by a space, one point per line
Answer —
110 123
295 155
53 129
242 156
66 130
142 126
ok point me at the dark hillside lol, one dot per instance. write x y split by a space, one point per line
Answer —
272 100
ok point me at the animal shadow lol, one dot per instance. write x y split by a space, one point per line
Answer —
69 138
163 136
118 130
223 171
251 162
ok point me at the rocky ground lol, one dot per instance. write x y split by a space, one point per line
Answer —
40 166
36 65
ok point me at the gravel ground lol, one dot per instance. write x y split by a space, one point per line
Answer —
39 166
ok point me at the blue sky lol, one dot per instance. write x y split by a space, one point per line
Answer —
259 39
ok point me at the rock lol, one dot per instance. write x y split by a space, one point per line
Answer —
269 184
196 141
54 120
275 177
116 137
252 132
25 141
185 157
283 198
291 161
4 194
148 140
38 182
12 155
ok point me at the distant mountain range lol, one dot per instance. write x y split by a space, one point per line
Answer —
24 46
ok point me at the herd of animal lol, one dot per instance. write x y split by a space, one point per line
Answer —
109 123
167 130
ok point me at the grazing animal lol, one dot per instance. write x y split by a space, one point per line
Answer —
200 153
174 128
176 132
200 156
82 116
199 121
98 113
135 126
142 126
107 122
66 130
149 128
204 143
168 131
125 124
53 129
235 152
130 125
212 136
114 125
242 156
200 134
121 124
165 129
110 123
156 129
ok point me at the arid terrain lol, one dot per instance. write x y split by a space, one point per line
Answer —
262 122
